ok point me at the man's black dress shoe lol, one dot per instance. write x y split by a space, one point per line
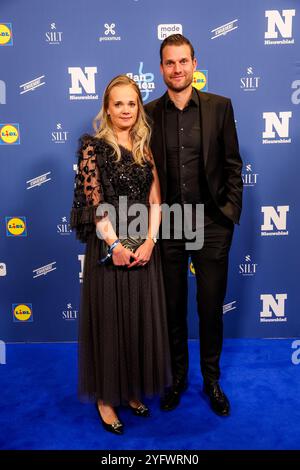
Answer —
142 410
218 400
172 397
116 427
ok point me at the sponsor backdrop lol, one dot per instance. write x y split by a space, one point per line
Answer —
56 58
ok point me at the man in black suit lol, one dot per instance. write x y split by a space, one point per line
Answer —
195 147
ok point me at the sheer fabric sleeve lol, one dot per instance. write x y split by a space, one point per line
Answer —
87 190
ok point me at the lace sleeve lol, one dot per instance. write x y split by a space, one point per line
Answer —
87 190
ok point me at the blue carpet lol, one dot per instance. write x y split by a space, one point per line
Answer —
39 407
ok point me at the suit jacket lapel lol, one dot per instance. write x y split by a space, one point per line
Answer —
205 110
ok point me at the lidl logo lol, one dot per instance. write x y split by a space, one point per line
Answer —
6 38
22 313
16 226
192 271
9 134
200 80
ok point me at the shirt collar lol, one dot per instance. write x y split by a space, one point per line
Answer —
194 101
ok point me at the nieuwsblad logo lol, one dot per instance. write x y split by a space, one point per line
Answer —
275 222
6 36
249 177
109 33
144 80
9 134
250 82
83 83
53 37
279 23
200 80
16 226
277 125
165 30
22 313
273 308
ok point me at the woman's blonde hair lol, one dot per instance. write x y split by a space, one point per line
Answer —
140 132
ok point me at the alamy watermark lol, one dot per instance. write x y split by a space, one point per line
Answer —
2 352
133 220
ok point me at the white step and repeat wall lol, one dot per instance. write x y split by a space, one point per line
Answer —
56 58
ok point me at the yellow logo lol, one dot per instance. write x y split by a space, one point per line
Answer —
192 269
9 133
199 80
16 226
22 312
5 34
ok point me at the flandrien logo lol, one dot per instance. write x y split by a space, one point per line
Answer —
6 36
32 85
83 83
144 80
165 30
81 259
9 134
277 125
273 308
275 222
224 29
109 33
279 23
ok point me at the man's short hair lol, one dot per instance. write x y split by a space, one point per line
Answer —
176 40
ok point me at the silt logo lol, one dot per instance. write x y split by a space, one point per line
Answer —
9 134
6 37
22 313
16 226
200 80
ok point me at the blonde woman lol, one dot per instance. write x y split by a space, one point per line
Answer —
123 339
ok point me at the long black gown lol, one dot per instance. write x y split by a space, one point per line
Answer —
123 336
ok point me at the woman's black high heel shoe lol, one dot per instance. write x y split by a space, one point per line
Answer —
142 410
116 427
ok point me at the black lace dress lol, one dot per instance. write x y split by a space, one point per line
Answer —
123 339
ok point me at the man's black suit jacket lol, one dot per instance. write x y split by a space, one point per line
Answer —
222 161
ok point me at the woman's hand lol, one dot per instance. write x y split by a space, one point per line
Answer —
143 253
121 256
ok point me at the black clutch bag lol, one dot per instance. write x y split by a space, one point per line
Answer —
131 243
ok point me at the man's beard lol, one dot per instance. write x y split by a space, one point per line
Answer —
179 89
